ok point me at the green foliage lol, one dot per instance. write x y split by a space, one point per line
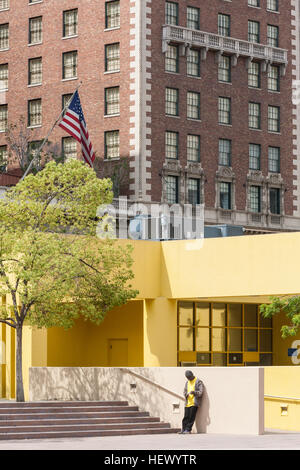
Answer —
52 265
290 306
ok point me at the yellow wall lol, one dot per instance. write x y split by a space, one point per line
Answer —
160 333
231 267
86 344
283 383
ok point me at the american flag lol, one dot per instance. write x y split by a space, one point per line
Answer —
74 123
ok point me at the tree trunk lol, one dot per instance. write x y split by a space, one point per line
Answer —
19 371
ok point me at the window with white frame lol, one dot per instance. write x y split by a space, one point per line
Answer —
35 30
254 156
4 77
3 117
4 4
35 71
172 101
112 14
112 57
112 144
4 36
34 112
273 119
254 115
69 148
171 144
172 59
193 18
225 152
274 159
193 105
193 148
70 60
224 110
274 78
112 101
70 22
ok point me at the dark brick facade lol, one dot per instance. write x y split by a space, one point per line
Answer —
210 89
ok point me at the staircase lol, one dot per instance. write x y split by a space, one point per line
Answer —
40 420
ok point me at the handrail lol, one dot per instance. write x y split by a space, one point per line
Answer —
180 397
275 397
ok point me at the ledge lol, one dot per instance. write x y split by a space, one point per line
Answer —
208 41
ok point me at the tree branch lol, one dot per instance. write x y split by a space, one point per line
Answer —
6 322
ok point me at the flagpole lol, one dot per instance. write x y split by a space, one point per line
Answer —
48 135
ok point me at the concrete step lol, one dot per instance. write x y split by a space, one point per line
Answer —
116 414
59 404
57 422
42 420
81 427
67 409
70 434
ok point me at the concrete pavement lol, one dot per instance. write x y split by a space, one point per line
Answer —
271 440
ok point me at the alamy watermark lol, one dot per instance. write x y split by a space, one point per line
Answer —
141 221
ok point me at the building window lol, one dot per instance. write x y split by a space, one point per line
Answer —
275 201
35 30
4 77
3 117
66 100
225 195
254 156
112 101
253 31
193 105
272 5
224 69
34 112
171 13
35 71
171 184
32 149
223 25
4 36
172 99
254 115
225 152
112 14
253 3
70 65
172 59
273 119
274 78
219 334
4 4
69 148
273 36
193 189
70 23
193 63
193 148
274 159
224 110
3 157
255 198
112 57
171 144
254 75
193 18
112 144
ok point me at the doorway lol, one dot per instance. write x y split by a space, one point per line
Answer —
118 352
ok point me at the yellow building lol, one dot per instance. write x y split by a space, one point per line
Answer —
197 305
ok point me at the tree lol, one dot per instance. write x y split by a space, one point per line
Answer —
117 170
290 306
52 265
22 145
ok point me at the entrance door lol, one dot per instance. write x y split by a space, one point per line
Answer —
118 352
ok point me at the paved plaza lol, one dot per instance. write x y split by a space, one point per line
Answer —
272 440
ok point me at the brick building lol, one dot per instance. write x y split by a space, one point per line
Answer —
197 96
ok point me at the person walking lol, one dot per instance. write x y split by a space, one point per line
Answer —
193 391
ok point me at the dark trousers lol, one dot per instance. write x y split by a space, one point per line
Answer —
189 417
